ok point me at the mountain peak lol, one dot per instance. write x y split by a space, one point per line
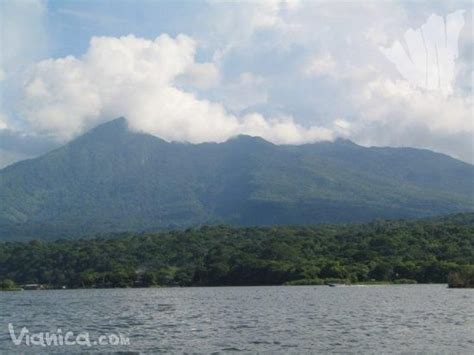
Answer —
344 141
117 124
110 131
247 139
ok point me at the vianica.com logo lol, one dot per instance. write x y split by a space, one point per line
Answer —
60 338
431 51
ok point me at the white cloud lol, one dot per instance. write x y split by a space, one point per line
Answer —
283 130
202 75
3 121
247 91
321 65
342 125
393 112
135 78
439 114
233 24
419 108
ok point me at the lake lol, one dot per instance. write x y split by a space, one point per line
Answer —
373 319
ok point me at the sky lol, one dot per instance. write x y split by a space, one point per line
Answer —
379 73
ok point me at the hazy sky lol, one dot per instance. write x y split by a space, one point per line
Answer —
378 73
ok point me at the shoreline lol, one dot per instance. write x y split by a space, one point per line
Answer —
232 286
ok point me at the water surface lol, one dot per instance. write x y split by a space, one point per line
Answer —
373 319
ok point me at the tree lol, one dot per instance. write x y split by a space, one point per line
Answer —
7 284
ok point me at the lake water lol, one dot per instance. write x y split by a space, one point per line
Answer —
370 319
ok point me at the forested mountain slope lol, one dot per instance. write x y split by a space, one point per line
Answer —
112 179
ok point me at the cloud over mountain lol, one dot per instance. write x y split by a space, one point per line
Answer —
136 78
290 71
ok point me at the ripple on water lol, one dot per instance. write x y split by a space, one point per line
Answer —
419 318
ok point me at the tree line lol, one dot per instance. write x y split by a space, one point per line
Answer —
424 251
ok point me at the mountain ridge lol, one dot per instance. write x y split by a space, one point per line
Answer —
112 179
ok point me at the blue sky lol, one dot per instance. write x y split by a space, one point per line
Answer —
290 71
72 24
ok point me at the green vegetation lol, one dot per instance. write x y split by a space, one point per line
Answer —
8 285
462 278
424 251
114 180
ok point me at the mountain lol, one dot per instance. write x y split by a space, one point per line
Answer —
111 179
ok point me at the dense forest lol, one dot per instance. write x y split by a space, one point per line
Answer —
392 251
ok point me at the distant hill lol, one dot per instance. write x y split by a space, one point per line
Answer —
111 179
